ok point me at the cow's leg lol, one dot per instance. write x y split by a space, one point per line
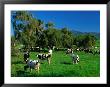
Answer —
73 62
39 60
30 69
48 61
76 61
37 67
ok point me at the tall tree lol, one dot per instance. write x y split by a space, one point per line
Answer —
49 25
25 27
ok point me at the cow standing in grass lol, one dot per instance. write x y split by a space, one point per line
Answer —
43 56
26 56
96 52
69 51
75 58
32 64
50 52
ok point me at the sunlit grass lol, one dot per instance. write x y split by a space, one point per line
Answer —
61 66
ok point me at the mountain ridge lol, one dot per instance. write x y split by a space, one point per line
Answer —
76 33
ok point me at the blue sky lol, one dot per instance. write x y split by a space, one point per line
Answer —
84 21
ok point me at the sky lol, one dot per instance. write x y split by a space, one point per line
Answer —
83 21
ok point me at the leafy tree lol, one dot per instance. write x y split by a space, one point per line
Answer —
67 38
31 31
85 41
89 40
26 27
49 25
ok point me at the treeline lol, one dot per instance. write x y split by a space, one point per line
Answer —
32 32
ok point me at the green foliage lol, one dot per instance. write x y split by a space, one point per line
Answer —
85 41
14 51
49 25
30 31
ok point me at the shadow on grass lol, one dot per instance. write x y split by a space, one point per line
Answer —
66 63
17 62
41 63
20 73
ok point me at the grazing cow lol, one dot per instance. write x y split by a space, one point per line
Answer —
32 64
90 51
75 58
79 49
69 51
44 57
26 56
96 52
87 50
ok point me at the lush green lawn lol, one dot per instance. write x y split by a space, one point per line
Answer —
61 66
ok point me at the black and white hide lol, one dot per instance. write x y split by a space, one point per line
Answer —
69 51
75 58
32 64
44 57
50 52
26 56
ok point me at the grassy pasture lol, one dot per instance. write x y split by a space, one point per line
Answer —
61 66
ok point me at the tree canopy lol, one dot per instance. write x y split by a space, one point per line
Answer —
31 31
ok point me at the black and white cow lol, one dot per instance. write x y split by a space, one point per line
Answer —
26 56
32 64
75 58
96 52
43 56
69 51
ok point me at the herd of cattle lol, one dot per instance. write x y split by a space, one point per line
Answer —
35 64
88 50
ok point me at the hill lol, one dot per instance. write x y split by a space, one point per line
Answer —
76 33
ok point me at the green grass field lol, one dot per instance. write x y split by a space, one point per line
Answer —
61 66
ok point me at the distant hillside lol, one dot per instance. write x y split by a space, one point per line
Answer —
76 33
95 34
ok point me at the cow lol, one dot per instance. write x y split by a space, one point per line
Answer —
26 56
50 52
75 58
32 64
96 52
69 51
43 56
